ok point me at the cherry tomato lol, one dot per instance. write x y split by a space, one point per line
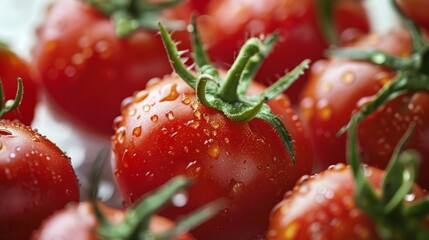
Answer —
338 87
87 70
229 23
36 179
323 206
11 67
77 221
164 131
417 11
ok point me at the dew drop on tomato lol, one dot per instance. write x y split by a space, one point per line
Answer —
154 118
180 199
169 92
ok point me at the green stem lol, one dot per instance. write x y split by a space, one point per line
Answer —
175 60
228 90
11 104
325 15
284 82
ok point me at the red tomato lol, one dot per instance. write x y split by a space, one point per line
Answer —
417 11
338 87
87 70
12 67
36 179
323 206
164 131
78 221
229 23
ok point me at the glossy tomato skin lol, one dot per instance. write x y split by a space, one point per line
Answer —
13 66
87 69
326 108
229 23
417 11
163 132
36 179
322 206
77 221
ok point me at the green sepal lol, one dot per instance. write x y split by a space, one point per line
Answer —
137 219
129 15
229 94
11 104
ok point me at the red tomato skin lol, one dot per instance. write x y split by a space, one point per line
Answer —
36 179
87 69
322 206
13 66
229 23
77 221
325 108
246 163
416 10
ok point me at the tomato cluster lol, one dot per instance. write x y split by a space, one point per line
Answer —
224 119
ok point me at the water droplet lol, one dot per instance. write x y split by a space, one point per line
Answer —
215 124
164 130
236 187
117 173
206 117
12 155
78 59
48 158
197 114
186 149
132 111
193 169
149 176
140 96
410 197
306 107
186 101
180 199
324 109
169 92
137 131
154 118
303 179
169 115
8 173
194 106
348 77
213 150
70 71
326 86
120 135
117 122
226 140
146 108
126 103
193 124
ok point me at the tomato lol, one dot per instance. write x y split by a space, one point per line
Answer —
416 10
87 70
11 67
36 179
323 206
164 131
77 221
325 108
229 23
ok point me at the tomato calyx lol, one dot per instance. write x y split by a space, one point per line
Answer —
137 219
11 104
412 72
228 94
129 15
391 207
